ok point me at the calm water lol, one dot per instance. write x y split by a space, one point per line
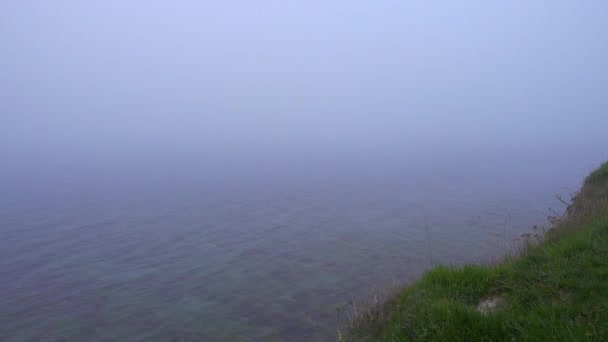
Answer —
250 248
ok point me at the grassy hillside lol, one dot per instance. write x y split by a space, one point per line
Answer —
554 289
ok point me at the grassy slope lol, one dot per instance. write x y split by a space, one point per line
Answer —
555 290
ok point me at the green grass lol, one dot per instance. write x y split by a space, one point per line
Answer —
553 289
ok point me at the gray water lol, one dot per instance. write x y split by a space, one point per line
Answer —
256 246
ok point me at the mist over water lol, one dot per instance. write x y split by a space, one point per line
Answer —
236 171
262 247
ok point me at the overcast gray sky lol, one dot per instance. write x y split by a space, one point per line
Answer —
106 74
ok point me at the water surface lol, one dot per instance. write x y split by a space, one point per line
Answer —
254 246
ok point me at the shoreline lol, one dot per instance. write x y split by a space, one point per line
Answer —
551 288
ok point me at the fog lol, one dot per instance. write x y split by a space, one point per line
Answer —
106 77
240 170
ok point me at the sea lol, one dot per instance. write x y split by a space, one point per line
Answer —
253 245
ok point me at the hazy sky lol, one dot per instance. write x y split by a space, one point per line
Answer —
109 74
